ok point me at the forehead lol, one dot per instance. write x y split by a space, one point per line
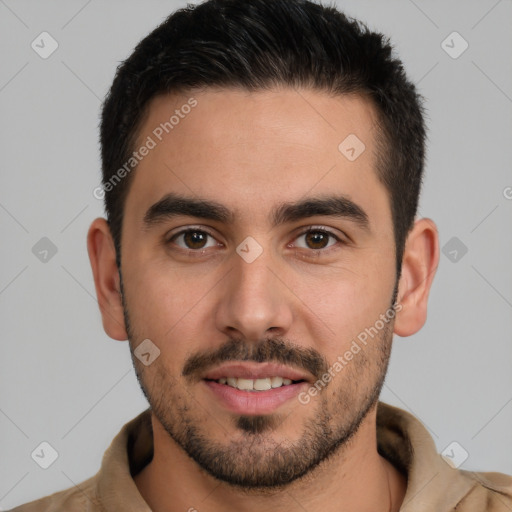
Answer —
310 118
248 150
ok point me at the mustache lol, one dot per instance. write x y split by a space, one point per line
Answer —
270 350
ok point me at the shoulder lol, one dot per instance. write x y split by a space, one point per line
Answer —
491 492
81 497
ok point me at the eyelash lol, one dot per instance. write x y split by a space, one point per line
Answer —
311 229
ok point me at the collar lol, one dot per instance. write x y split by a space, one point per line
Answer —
432 484
401 438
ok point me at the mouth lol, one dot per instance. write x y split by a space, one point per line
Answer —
262 384
254 388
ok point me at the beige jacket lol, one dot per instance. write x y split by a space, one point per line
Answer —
433 484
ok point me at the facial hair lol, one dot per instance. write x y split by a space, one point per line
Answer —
254 460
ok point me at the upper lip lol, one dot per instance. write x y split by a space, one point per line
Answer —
250 370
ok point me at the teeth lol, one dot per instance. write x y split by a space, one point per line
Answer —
262 384
276 382
255 384
245 384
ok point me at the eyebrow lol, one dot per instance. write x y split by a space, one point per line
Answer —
174 205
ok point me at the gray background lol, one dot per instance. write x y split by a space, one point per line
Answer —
63 381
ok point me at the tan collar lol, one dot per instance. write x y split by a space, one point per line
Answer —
401 438
432 483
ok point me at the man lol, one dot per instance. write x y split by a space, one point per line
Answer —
262 164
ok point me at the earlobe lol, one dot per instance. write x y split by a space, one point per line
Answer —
102 256
419 264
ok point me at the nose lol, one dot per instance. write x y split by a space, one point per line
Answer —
254 301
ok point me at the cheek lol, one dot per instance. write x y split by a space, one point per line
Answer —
172 307
157 299
352 304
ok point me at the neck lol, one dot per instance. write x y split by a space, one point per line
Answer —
355 478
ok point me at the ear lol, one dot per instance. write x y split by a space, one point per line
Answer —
419 264
102 255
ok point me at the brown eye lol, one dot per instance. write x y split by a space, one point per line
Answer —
193 239
317 239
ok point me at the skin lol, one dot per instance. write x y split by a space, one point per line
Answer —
251 151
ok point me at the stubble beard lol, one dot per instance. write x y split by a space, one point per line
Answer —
252 459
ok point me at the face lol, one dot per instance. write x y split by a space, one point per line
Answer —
256 253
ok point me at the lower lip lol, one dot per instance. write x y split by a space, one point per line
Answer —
254 402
